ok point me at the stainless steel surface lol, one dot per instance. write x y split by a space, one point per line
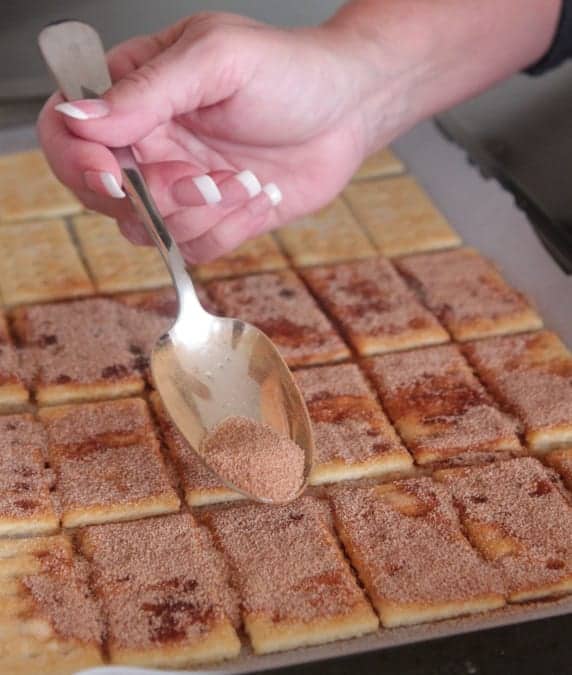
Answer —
205 368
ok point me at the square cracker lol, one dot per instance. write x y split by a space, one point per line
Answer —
279 305
257 255
352 435
399 216
201 486
164 590
102 423
13 393
79 349
25 503
114 263
295 586
468 294
531 374
107 462
374 307
28 189
516 515
405 541
438 406
50 622
329 235
380 164
38 262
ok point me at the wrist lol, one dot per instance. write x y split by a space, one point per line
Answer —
421 57
390 51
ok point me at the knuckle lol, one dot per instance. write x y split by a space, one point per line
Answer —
140 80
219 239
211 28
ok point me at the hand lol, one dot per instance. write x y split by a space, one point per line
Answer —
216 106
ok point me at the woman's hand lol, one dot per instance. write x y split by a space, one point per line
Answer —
216 107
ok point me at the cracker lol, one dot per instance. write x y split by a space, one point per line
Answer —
295 586
531 374
50 623
468 294
164 591
399 217
114 263
438 406
80 349
38 262
279 304
329 235
108 466
13 393
103 423
353 437
257 255
29 190
405 541
25 504
374 307
201 486
516 515
380 164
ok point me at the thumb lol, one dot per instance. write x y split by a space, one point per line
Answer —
178 80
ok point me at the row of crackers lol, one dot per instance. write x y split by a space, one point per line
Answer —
102 461
183 589
48 260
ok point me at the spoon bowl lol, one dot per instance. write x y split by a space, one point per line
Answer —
208 368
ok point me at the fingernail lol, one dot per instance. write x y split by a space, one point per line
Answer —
249 181
208 188
273 192
97 179
84 110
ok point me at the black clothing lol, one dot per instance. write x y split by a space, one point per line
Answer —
561 47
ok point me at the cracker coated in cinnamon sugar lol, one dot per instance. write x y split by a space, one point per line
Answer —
405 540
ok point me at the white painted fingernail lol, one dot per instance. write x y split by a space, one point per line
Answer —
86 109
111 185
208 188
250 182
70 110
273 192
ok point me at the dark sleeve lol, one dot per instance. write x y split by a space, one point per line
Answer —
561 47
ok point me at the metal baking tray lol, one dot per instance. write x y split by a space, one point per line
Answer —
486 217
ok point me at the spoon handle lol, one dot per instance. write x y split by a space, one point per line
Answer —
75 56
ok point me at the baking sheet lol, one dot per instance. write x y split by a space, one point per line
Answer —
486 217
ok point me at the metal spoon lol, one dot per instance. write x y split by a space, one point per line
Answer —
206 368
